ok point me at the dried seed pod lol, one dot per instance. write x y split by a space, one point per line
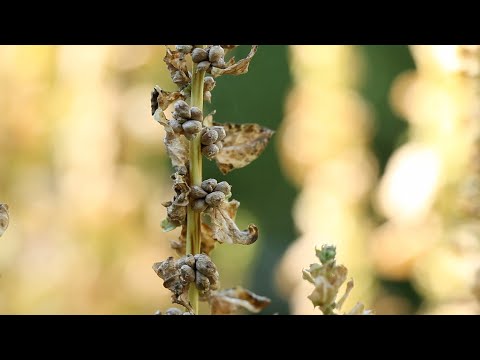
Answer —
176 126
208 83
205 265
196 192
173 311
192 127
184 49
199 205
221 132
196 113
179 78
209 137
220 63
182 109
215 198
188 273
219 145
208 185
210 151
224 187
201 281
203 66
207 96
186 260
216 53
199 54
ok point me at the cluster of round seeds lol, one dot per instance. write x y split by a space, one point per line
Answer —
211 139
211 56
198 269
186 120
209 194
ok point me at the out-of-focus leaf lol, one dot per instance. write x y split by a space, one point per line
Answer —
222 227
243 144
228 301
236 68
4 218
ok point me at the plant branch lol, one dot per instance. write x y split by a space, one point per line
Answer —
195 170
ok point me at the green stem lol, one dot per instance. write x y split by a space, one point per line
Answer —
195 170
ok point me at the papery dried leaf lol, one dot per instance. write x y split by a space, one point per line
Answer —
177 208
224 229
180 244
228 301
161 99
4 218
177 66
177 147
243 144
236 68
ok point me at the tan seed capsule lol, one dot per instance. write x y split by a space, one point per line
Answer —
182 109
188 273
208 185
209 137
173 311
176 126
196 192
219 145
224 187
184 49
219 64
186 260
201 281
216 53
210 151
203 66
215 198
198 55
221 132
192 127
205 265
199 205
196 113
208 83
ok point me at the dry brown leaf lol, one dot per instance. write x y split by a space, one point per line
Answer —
236 68
222 227
228 301
243 144
177 66
208 243
4 218
162 99
177 208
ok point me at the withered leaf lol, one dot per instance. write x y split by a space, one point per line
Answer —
177 208
222 227
4 218
243 144
228 301
162 99
177 66
236 68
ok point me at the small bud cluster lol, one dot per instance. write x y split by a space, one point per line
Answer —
179 274
211 139
186 120
209 194
213 56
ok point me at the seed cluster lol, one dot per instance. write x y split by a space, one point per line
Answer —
179 274
186 120
208 85
213 56
211 139
209 194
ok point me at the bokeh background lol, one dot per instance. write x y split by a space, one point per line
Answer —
376 151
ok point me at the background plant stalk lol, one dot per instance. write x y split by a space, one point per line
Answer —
195 171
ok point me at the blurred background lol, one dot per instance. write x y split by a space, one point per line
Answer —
377 151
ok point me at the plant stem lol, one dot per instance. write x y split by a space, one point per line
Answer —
195 169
